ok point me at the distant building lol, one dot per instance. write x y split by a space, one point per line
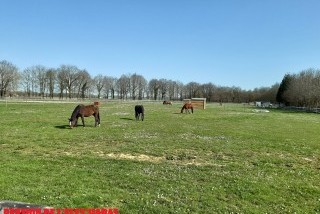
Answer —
263 104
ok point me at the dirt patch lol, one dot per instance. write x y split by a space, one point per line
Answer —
120 113
140 157
155 159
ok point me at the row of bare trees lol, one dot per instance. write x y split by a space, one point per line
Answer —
68 81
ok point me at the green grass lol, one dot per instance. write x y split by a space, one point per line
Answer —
220 160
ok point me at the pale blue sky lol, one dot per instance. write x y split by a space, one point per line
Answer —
245 43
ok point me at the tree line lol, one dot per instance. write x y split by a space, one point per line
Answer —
302 89
69 81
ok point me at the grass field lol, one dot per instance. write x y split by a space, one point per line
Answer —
220 160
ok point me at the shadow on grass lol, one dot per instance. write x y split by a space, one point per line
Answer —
126 118
63 127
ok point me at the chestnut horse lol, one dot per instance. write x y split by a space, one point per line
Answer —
84 111
166 102
186 107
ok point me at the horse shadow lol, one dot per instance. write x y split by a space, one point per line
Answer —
125 118
62 127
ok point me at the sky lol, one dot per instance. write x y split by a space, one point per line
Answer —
242 43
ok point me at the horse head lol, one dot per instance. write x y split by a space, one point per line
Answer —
72 122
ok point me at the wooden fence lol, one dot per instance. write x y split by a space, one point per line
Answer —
198 103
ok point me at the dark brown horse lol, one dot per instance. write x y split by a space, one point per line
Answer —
84 111
186 107
139 112
166 102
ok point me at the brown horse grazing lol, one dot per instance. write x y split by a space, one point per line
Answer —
84 111
166 102
186 107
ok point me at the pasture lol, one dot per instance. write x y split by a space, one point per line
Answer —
220 160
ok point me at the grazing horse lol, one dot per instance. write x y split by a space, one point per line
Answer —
84 111
166 102
139 112
186 107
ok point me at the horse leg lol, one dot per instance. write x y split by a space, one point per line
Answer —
142 116
82 118
76 123
95 120
98 118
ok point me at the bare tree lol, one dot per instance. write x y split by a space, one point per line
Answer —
137 86
28 82
40 71
208 90
123 85
179 91
303 89
142 83
163 88
83 82
51 78
110 85
134 85
193 89
70 74
154 86
99 82
35 80
172 90
8 75
61 82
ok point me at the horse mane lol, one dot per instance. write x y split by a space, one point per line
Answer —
75 112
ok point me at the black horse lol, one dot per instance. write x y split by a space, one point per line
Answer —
139 112
84 111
